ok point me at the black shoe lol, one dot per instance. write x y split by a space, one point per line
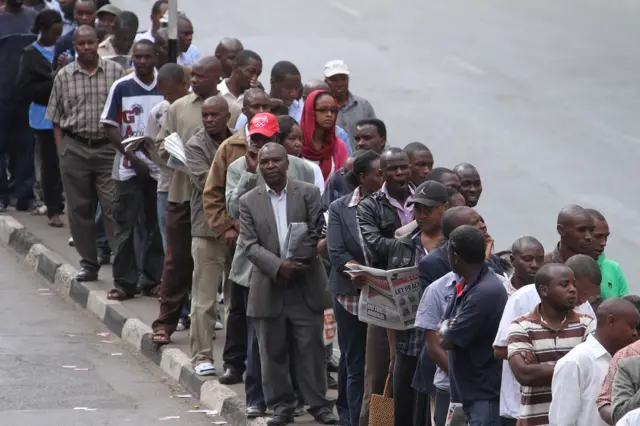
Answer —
255 411
325 417
331 382
299 411
332 365
87 275
279 420
230 377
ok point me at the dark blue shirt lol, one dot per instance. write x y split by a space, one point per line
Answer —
474 372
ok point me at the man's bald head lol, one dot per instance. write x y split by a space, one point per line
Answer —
464 168
550 272
85 31
575 227
314 85
456 217
205 76
273 148
163 33
207 62
216 101
617 324
525 243
226 51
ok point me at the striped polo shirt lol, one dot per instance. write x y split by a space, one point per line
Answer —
530 333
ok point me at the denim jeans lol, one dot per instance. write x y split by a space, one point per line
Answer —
352 339
483 413
17 145
161 202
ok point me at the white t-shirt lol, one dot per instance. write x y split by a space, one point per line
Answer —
632 418
521 302
317 173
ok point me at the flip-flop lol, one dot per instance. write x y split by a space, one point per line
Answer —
160 337
117 294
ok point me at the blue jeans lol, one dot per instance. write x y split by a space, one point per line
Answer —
17 145
163 198
352 339
482 413
101 237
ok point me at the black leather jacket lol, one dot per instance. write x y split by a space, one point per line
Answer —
378 221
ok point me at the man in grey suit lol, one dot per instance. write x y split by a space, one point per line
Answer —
287 296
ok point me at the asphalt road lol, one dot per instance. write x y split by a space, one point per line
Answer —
540 95
55 370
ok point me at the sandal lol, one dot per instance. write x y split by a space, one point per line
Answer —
160 337
55 222
117 294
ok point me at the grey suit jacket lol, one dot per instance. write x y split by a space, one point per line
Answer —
625 395
259 234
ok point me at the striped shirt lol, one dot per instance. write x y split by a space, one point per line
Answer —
530 333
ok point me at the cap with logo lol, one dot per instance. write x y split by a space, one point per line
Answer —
335 67
263 123
108 8
430 194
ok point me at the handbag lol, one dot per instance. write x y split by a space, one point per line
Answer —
381 411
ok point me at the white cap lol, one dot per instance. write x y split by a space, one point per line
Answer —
335 67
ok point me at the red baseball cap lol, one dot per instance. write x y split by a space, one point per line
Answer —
265 124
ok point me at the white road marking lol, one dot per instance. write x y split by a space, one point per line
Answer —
467 66
344 8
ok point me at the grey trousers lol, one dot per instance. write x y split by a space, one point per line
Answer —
299 326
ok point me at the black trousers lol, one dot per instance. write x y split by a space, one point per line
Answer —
404 396
51 180
235 345
134 198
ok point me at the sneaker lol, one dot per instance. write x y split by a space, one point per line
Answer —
71 243
220 298
184 323
218 326
205 369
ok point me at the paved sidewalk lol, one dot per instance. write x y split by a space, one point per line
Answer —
48 251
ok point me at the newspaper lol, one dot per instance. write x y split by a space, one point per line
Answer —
175 147
389 299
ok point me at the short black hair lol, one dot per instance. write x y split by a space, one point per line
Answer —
379 125
451 219
45 19
171 72
155 9
519 243
286 123
469 243
244 56
387 153
414 147
596 214
127 19
282 69
437 174
361 164
100 3
584 266
635 300
144 42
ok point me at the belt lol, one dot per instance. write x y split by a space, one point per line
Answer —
88 141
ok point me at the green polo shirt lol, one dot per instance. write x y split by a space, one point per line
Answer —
613 284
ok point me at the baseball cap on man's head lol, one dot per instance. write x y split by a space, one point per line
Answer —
335 67
108 8
263 123
430 194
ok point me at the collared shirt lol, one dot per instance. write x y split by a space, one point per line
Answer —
614 283
577 379
354 110
531 334
433 305
604 397
224 91
350 303
523 301
279 206
189 57
78 97
405 212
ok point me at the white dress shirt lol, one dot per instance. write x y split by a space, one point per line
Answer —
317 174
632 418
279 206
577 379
521 302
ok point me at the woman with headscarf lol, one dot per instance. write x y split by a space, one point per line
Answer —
319 141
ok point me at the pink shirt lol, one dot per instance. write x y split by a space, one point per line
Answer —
405 213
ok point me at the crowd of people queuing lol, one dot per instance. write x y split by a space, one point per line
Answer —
500 338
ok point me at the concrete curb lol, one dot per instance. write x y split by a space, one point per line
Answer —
121 321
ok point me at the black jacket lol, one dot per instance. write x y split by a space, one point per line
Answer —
378 221
35 76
